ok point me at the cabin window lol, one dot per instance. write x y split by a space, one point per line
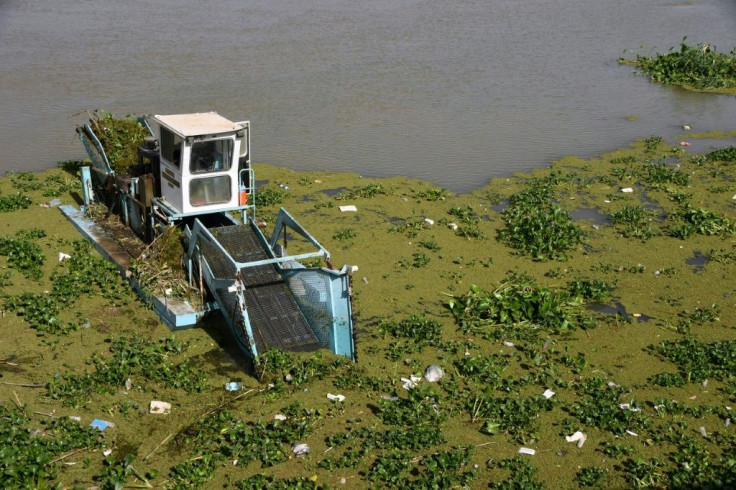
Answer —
210 190
211 156
171 147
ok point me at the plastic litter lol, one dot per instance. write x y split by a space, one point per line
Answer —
703 432
627 406
338 398
107 452
632 433
429 221
453 226
280 416
63 256
232 386
299 449
726 422
578 437
159 407
54 202
411 382
508 344
548 394
627 189
101 424
75 418
527 450
128 384
365 280
684 143
348 208
433 373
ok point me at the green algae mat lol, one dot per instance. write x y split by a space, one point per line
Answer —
567 328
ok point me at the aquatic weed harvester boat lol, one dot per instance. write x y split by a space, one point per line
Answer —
194 172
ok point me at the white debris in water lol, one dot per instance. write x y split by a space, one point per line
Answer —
338 398
299 449
578 437
433 373
159 407
411 382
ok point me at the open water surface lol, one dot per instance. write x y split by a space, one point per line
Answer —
451 92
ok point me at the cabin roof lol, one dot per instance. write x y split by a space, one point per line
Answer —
197 124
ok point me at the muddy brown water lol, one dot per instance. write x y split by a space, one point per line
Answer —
449 92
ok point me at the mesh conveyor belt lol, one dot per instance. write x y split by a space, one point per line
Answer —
274 315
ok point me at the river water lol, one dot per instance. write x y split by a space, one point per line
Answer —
453 92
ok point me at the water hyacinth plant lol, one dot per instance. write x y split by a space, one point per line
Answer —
538 227
700 67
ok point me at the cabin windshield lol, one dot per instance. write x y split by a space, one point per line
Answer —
211 156
210 190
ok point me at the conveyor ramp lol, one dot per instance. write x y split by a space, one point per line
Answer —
274 314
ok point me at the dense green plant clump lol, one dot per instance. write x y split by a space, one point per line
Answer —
698 66
14 202
600 407
408 423
591 289
634 221
23 254
120 138
518 303
690 221
268 197
277 366
222 438
31 449
727 154
129 358
365 192
53 185
538 227
82 274
521 474
696 361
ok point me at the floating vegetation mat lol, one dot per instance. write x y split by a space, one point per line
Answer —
698 67
484 358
